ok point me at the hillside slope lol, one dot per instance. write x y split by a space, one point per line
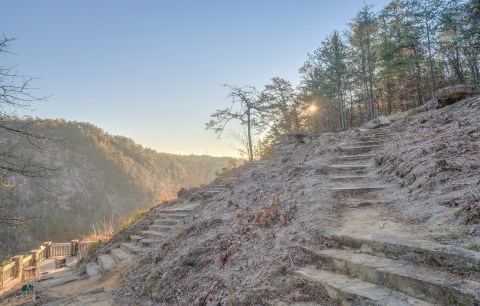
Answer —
245 245
433 159
323 223
100 178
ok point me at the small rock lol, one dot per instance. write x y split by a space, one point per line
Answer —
93 269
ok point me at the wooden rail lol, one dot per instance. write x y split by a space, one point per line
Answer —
22 267
60 249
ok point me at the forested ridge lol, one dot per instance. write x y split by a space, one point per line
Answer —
386 61
98 178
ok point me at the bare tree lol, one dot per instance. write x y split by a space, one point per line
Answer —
247 107
16 92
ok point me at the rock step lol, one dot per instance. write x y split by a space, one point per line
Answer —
229 179
365 143
400 248
160 228
350 178
359 148
356 203
132 248
364 137
106 262
353 291
153 234
350 168
120 255
355 157
171 216
93 269
211 192
353 190
135 238
166 222
377 135
369 134
177 211
218 187
417 281
221 188
149 242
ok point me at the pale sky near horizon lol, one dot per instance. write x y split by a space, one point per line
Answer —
153 70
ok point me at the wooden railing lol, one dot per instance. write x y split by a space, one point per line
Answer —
8 272
22 267
60 249
27 261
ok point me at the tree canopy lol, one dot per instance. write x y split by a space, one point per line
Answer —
385 61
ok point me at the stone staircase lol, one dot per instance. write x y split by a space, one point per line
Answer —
378 268
166 221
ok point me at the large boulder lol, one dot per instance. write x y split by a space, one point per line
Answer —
375 123
452 94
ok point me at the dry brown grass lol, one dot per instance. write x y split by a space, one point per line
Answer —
271 214
102 231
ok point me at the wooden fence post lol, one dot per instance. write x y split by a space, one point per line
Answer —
18 265
74 251
35 257
1 277
47 245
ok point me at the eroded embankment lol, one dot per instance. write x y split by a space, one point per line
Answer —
433 158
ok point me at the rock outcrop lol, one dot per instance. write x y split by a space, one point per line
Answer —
452 94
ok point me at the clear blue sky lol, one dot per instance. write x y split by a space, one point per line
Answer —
153 70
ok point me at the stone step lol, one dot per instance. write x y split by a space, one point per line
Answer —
217 188
149 242
212 192
93 269
417 281
359 149
106 262
359 203
353 190
360 157
363 137
353 291
376 134
365 143
353 169
185 211
351 178
132 248
120 255
168 222
229 179
153 235
135 238
160 228
171 216
377 130
400 248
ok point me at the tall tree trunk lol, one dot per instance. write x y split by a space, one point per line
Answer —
418 72
249 128
430 57
389 96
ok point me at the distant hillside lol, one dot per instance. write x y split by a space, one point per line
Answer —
101 177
